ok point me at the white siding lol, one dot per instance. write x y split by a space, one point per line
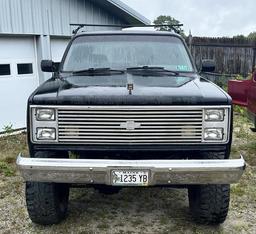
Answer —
50 17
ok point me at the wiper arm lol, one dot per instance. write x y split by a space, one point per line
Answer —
96 71
151 69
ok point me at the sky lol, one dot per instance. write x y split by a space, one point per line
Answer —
214 18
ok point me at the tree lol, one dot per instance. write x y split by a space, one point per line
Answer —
252 36
168 20
240 37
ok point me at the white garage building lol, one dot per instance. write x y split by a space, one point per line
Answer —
32 30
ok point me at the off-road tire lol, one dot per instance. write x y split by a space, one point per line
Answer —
209 204
47 203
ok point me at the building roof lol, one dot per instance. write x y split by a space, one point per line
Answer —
123 11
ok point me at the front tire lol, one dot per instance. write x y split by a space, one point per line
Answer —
209 204
47 203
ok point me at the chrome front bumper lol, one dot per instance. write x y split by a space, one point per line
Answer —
162 172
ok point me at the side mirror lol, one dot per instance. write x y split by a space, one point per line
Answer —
48 66
208 65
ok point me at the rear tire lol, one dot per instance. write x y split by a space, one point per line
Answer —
47 203
209 204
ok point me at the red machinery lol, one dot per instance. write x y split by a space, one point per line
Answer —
243 93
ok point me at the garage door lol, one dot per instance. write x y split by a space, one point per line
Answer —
18 79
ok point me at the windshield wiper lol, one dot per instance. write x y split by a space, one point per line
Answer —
152 69
98 71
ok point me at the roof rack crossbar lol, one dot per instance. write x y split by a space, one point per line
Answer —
172 26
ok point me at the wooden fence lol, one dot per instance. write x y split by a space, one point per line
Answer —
232 55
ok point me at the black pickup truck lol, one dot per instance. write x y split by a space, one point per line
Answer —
128 108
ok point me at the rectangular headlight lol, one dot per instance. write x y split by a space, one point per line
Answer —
215 115
46 134
213 134
45 114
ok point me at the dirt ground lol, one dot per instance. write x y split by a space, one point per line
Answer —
132 210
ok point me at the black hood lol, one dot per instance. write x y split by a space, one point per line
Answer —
127 89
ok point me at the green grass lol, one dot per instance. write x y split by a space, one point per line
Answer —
10 147
6 169
238 190
163 220
103 225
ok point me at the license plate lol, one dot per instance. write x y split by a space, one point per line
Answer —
130 177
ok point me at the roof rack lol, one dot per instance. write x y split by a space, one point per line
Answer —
172 26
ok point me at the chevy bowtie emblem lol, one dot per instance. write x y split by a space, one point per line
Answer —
130 88
130 125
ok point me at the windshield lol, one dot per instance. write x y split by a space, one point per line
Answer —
124 51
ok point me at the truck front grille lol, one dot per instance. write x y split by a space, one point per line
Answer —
130 125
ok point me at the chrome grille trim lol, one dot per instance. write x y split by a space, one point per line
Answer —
103 125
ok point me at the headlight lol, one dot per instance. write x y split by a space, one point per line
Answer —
46 134
214 115
213 134
45 114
